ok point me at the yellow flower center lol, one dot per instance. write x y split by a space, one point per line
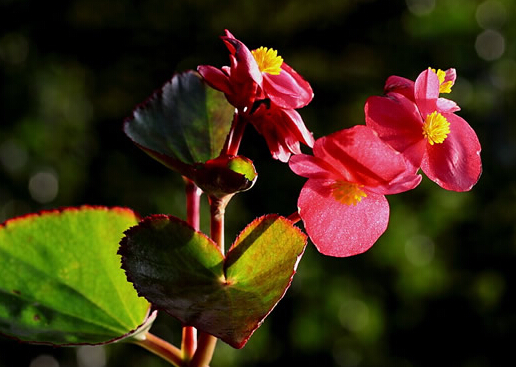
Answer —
436 128
444 87
347 193
268 60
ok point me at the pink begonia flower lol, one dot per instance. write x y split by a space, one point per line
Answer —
342 204
398 84
283 130
266 91
426 131
240 81
255 75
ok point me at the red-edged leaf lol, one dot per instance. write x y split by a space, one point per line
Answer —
60 278
182 272
184 123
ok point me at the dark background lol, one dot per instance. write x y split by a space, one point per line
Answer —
436 289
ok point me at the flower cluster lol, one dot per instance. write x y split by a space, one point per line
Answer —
266 92
410 127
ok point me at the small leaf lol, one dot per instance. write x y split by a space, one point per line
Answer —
61 281
226 175
184 123
183 272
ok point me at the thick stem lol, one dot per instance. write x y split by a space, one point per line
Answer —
162 349
207 342
193 201
205 351
217 211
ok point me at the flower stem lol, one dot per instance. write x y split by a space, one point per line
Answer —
235 135
217 211
207 342
205 351
162 349
294 217
193 200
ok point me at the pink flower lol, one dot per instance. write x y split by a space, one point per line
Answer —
266 91
240 81
398 84
342 204
283 130
423 127
255 75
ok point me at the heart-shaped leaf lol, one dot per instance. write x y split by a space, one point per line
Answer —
183 272
61 281
184 123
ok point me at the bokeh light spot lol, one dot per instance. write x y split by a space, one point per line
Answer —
489 288
419 250
44 186
420 7
354 314
44 360
91 356
345 356
490 45
503 74
12 155
491 14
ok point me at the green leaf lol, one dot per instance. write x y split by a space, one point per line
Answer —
226 175
60 278
184 123
183 272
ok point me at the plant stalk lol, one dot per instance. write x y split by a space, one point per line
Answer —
207 342
162 349
235 135
294 217
193 200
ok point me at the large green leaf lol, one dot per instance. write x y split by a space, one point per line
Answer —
60 277
183 272
184 123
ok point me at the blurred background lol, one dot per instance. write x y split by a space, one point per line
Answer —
436 289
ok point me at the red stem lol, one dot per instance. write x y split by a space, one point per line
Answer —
235 135
193 200
204 354
162 349
207 342
294 217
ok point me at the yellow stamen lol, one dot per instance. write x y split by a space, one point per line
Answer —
444 87
347 193
268 60
436 128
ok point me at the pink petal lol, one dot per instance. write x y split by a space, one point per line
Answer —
297 126
404 182
243 63
215 78
311 167
451 76
360 156
397 122
426 92
282 129
288 89
454 164
447 106
398 84
337 229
